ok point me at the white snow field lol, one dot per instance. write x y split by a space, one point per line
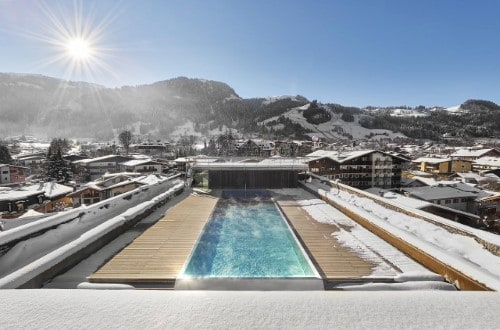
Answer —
461 252
33 256
150 309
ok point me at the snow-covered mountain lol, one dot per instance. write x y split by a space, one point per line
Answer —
49 107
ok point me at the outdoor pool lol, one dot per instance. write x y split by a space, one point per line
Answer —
247 237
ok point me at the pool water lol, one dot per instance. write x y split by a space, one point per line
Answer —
247 237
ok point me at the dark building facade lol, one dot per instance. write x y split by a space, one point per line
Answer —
272 174
359 169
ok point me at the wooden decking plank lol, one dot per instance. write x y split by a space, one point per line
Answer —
333 260
159 254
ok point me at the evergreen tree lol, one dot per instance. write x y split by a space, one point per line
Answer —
56 167
5 157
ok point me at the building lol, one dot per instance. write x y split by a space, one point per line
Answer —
473 154
458 196
360 169
55 197
250 148
486 163
32 161
93 168
273 173
106 187
142 166
42 197
442 166
155 150
13 174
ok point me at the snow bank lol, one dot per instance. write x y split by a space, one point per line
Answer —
78 225
151 309
38 266
366 244
461 252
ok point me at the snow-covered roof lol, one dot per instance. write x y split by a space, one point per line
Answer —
268 163
339 156
150 179
107 176
470 175
344 156
398 198
99 159
137 162
49 189
53 189
30 157
431 160
31 213
184 160
488 161
457 190
17 194
108 183
471 152
283 161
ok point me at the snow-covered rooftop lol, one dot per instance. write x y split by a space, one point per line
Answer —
341 156
137 162
398 198
470 152
269 163
488 161
49 189
99 159
431 160
439 192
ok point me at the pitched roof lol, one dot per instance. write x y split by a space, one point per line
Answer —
137 162
344 156
447 191
49 189
431 160
338 156
101 159
470 152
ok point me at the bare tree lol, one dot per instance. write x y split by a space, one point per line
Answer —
125 139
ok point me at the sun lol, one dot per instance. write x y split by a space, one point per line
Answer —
78 49
77 39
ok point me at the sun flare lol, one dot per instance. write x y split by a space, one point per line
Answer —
77 40
78 49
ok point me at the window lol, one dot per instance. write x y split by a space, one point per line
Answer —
438 202
448 201
5 172
455 200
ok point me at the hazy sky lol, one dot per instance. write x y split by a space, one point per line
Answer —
353 52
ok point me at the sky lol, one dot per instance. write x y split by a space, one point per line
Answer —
352 52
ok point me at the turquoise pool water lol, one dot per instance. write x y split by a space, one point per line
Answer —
247 237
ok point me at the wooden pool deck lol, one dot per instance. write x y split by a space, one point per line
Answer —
333 261
155 259
158 255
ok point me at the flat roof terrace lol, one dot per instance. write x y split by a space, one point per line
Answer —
158 255
156 258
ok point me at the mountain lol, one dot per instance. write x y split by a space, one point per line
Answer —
44 106
49 107
472 119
